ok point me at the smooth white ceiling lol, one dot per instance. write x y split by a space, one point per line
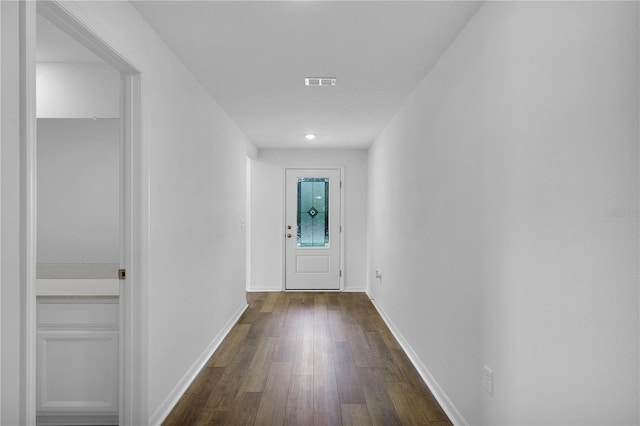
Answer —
253 57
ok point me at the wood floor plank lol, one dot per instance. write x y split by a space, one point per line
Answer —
333 303
270 302
349 388
286 342
244 410
299 409
322 338
274 324
422 406
257 330
181 412
339 332
303 355
412 378
283 300
408 372
302 358
320 307
387 336
308 298
380 355
355 415
381 407
407 405
196 396
326 404
225 391
249 316
256 376
380 375
273 404
205 381
208 418
229 347
359 346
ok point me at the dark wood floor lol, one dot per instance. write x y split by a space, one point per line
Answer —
308 359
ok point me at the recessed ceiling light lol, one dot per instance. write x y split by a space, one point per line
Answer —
310 136
320 81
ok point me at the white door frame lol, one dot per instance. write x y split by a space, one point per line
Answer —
72 19
284 222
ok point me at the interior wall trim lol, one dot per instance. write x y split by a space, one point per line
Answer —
264 289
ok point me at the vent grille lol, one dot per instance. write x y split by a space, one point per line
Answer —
319 81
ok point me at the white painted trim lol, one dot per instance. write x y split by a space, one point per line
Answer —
342 231
247 222
447 405
355 290
179 389
638 240
28 208
264 289
82 27
133 290
0 217
283 243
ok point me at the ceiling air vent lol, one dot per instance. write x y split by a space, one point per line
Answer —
319 81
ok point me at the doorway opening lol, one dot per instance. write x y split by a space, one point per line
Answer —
78 231
85 222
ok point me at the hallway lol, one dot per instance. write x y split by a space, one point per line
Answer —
308 358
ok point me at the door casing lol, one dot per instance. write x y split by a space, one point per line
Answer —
71 18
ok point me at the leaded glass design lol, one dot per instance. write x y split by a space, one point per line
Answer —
313 212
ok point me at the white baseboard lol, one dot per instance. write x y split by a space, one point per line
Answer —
449 408
263 289
266 289
174 396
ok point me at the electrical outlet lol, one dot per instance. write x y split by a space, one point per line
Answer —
378 275
488 380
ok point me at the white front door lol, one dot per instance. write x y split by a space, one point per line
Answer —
313 228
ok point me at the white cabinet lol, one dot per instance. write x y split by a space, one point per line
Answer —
77 365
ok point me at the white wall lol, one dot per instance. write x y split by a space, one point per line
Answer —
267 204
78 191
503 215
77 90
197 172
196 159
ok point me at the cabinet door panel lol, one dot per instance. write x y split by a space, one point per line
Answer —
77 371
74 315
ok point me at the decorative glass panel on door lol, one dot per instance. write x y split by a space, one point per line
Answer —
313 212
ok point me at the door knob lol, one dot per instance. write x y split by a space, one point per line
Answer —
288 235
